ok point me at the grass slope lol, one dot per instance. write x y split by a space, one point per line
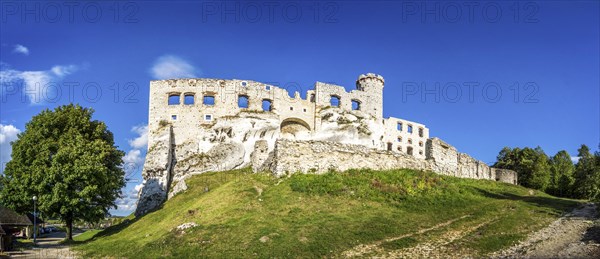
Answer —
325 215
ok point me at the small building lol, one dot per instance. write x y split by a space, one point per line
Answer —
12 222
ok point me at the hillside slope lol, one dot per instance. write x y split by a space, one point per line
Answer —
354 213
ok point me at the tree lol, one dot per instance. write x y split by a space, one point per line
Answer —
561 174
68 161
587 175
530 164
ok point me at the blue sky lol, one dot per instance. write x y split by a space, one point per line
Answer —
480 75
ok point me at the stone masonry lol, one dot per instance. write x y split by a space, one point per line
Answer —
199 125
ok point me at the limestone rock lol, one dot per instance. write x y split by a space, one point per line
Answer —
179 187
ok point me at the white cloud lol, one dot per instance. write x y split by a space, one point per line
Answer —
133 157
21 49
8 133
169 67
575 159
129 200
62 71
142 140
35 83
133 163
138 187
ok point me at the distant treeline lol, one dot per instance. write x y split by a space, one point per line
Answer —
556 175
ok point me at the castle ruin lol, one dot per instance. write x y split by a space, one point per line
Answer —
201 125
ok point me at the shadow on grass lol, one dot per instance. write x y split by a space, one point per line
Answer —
555 203
106 232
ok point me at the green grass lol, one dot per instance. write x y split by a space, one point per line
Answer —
87 235
324 215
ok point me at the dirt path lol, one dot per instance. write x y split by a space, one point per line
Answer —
47 247
575 235
375 247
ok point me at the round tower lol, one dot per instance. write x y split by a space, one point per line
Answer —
372 84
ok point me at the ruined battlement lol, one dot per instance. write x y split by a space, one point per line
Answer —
198 125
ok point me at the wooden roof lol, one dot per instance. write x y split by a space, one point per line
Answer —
9 217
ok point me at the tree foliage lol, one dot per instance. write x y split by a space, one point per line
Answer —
531 165
561 174
68 161
556 175
587 175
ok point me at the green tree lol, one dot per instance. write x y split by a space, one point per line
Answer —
530 164
561 174
68 161
587 175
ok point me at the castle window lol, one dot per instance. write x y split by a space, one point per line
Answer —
188 99
420 143
399 139
409 128
304 110
291 108
268 88
174 117
399 126
421 152
267 105
243 101
312 98
389 146
207 117
400 148
420 132
244 83
173 99
208 100
409 141
355 105
335 101
409 150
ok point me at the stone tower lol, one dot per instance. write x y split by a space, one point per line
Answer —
372 84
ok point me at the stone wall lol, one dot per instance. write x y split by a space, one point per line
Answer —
188 136
291 156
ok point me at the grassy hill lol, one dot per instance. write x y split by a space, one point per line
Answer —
358 212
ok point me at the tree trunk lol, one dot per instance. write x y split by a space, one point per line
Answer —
69 229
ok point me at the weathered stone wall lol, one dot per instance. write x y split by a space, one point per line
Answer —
291 156
191 137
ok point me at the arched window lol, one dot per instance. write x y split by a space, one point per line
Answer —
267 105
173 99
389 146
312 98
355 105
208 100
335 101
188 99
399 126
420 132
409 150
243 101
409 128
